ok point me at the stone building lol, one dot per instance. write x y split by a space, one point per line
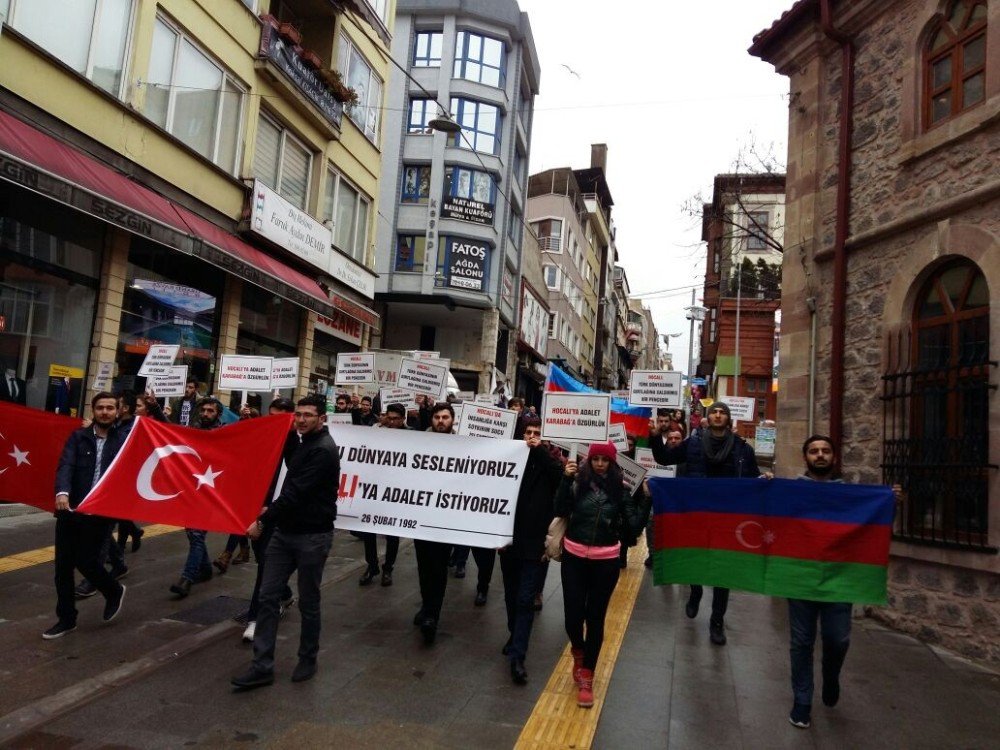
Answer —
891 284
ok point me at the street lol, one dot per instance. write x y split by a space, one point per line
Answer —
158 677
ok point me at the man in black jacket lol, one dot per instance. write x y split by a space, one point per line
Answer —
302 516
522 563
86 456
712 451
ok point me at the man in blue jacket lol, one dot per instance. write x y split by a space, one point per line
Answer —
86 456
714 451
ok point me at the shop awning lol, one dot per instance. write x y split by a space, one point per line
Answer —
37 161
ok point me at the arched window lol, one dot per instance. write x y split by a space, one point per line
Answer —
938 411
955 62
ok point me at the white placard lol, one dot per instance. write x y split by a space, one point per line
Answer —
355 368
644 457
402 396
619 394
632 473
664 472
487 421
484 398
662 388
285 372
576 417
426 377
458 408
424 485
426 355
104 376
333 418
158 359
741 408
618 436
171 384
764 441
244 373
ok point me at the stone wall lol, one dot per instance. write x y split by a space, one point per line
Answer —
956 608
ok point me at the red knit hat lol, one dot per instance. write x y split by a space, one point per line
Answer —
607 450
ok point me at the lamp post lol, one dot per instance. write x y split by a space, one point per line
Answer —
695 313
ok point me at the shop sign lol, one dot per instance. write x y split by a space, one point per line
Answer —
284 57
534 323
277 220
340 326
466 209
352 275
467 261
284 372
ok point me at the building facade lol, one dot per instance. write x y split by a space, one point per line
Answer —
891 284
185 173
450 243
744 231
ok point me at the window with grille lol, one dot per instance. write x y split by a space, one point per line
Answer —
936 411
282 162
955 62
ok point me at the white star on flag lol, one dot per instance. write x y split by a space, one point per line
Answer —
20 456
207 478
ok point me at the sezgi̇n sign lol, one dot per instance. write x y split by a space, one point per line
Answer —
424 485
656 388
467 262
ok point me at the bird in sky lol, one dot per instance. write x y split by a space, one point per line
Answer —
571 71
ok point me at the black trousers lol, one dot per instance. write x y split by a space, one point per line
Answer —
260 552
520 581
486 559
720 601
371 551
78 546
587 589
432 570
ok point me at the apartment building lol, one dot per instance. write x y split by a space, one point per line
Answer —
190 173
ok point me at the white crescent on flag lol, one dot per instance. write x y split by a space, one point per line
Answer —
144 480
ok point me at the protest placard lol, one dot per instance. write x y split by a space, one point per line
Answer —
355 368
171 384
158 358
244 373
741 408
618 436
402 396
426 377
632 473
333 418
285 372
105 373
656 388
486 421
425 485
426 355
576 417
484 398
644 457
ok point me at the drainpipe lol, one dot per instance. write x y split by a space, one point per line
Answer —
840 239
811 423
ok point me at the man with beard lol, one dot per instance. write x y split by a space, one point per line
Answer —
712 451
86 456
432 557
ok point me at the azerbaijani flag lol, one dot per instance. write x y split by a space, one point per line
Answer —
635 418
822 541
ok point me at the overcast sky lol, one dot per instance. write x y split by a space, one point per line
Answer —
671 90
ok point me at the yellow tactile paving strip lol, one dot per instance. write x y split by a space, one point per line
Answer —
44 555
556 721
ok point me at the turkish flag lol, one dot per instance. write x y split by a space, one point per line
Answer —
31 442
200 479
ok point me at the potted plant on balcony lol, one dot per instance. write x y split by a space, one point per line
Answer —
341 92
290 33
311 59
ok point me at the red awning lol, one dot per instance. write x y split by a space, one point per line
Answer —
45 165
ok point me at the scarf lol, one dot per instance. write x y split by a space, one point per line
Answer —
728 441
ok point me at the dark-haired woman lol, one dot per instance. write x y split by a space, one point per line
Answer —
600 512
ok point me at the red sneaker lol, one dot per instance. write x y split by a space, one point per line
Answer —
585 695
577 664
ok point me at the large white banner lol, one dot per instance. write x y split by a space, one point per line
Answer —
424 485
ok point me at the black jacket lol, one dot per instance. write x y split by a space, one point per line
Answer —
600 518
308 500
535 504
75 475
741 463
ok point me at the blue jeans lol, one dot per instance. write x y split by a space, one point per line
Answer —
287 553
835 628
520 583
197 565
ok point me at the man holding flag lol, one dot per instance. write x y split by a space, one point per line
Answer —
86 456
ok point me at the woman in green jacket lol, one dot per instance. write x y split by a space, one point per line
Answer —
601 512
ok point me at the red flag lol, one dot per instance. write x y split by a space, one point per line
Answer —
31 442
201 479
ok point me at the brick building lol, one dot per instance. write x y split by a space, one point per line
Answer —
891 284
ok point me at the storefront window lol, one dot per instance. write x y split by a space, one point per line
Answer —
170 298
324 363
269 327
50 262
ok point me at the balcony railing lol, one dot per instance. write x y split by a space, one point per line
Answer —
550 244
